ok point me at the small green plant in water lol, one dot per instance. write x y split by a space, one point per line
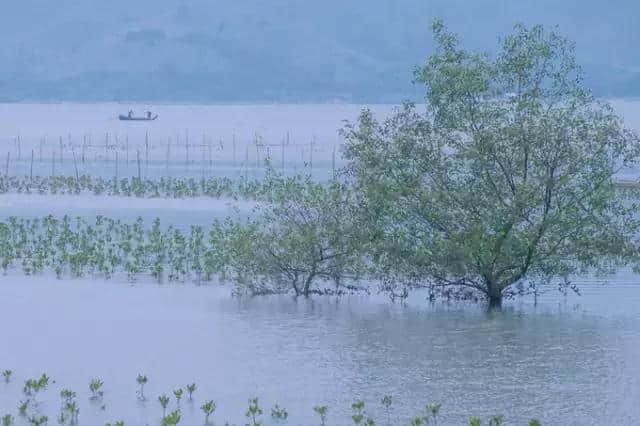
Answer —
8 420
6 374
141 380
321 410
534 422
208 408
434 409
253 413
164 401
387 401
117 423
178 394
418 421
278 413
38 420
191 389
95 386
475 421
496 420
23 407
172 419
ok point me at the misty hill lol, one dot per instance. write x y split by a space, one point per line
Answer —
280 50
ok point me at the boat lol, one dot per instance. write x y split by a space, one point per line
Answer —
134 118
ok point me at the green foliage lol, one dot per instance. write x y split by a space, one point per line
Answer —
208 408
253 413
6 374
178 393
191 388
164 402
321 411
8 420
166 187
279 413
95 386
475 421
506 182
534 422
304 239
172 419
141 380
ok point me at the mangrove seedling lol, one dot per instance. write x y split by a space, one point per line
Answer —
95 386
38 420
475 421
321 410
71 407
23 407
534 422
386 401
178 394
191 389
496 420
116 423
8 420
358 412
172 419
418 421
67 395
209 407
7 375
164 401
141 380
279 413
433 409
253 412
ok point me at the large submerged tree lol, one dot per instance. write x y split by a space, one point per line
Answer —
505 181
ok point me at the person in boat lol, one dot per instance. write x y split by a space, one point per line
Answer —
130 113
149 115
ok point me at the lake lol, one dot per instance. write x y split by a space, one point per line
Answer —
570 360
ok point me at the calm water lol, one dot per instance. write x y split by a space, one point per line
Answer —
570 360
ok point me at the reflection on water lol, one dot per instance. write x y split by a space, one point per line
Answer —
568 361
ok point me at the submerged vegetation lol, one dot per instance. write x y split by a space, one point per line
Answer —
165 187
170 413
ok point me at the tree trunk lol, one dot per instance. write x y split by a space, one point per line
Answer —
494 294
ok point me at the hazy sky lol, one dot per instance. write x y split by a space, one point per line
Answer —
275 50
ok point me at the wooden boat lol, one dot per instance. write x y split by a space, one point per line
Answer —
134 118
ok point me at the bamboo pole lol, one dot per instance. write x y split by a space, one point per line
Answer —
146 152
75 165
84 146
282 155
168 154
31 167
234 150
138 159
333 162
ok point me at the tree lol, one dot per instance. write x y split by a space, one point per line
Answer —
505 181
304 235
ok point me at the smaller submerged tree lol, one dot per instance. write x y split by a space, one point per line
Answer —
505 181
304 239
